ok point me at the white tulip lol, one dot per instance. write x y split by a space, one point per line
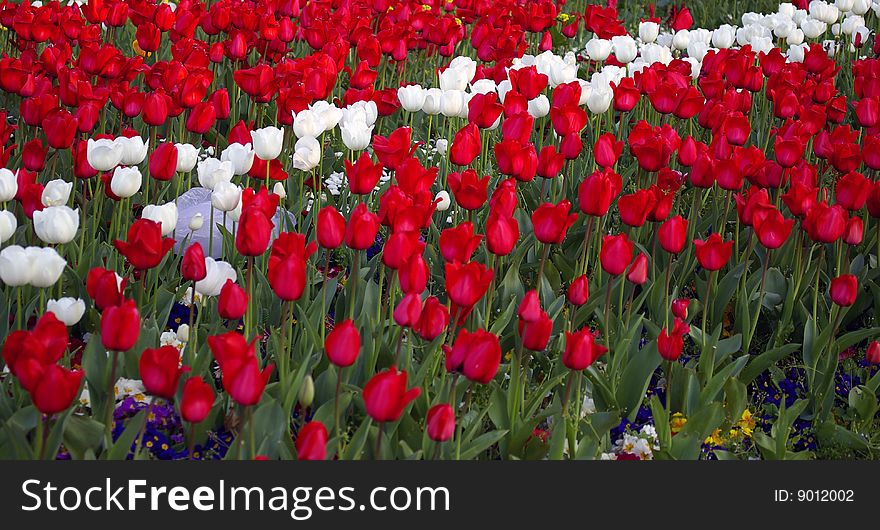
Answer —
225 196
598 49
432 105
539 107
241 156
328 115
813 28
196 222
844 5
452 102
217 274
442 145
278 189
724 36
360 110
15 266
165 214
681 39
183 333
457 76
126 181
600 99
187 157
442 200
411 97
861 7
56 224
47 266
307 123
625 49
697 50
68 310
483 86
56 192
134 150
503 88
104 154
356 134
268 142
211 171
306 154
795 37
235 214
8 224
788 9
648 31
851 24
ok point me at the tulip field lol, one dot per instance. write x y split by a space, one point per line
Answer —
439 230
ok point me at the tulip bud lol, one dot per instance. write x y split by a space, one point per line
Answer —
196 222
440 422
680 307
197 401
844 290
183 333
68 310
279 190
873 353
442 200
306 393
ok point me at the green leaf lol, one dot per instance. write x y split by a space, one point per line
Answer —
82 434
481 443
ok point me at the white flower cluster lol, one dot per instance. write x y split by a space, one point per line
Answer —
641 444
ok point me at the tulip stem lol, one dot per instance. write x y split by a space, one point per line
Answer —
248 312
377 453
706 310
761 291
111 402
336 425
355 272
540 282
140 438
608 309
666 290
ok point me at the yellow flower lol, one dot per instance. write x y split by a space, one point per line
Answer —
137 49
458 21
563 17
677 422
746 423
426 7
715 438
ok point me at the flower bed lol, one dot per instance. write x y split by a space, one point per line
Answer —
439 230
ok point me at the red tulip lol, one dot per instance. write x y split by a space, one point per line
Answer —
59 126
484 109
33 155
536 334
192 267
635 208
773 229
581 349
408 310
638 271
459 243
343 344
311 441
670 345
468 188
873 353
502 234
145 247
105 288
673 234
844 290
385 395
254 231
597 191
466 283
616 254
163 161
578 292
607 150
476 355
433 320
466 145
440 422
363 175
331 227
550 162
400 246
855 231
360 234
413 274
160 370
825 224
394 149
713 253
201 118
120 326
552 221
680 307
852 191
56 389
242 378
232 302
197 400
